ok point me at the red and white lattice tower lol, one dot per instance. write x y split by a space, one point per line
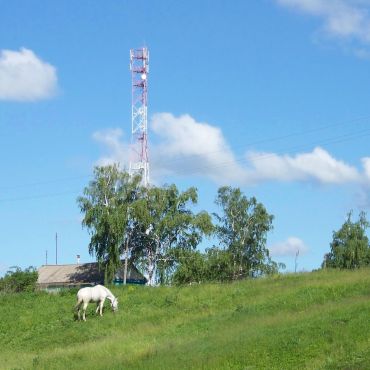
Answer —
139 160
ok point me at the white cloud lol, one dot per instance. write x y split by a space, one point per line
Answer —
288 247
317 166
366 165
189 147
344 19
185 147
118 152
25 77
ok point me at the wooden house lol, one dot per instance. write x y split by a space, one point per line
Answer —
55 277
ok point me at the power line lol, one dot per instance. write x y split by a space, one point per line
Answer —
260 157
198 169
39 196
274 139
45 182
181 158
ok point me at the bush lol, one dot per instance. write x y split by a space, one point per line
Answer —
350 247
16 281
215 265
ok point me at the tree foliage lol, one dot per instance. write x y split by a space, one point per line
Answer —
349 248
154 222
168 226
18 280
159 231
105 206
242 230
215 265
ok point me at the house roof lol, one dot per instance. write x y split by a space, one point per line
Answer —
87 273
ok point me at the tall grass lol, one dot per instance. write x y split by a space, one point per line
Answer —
306 321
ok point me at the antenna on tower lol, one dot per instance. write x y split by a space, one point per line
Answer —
139 161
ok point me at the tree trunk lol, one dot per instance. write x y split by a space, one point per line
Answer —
151 270
126 262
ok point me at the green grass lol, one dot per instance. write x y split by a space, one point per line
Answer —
316 320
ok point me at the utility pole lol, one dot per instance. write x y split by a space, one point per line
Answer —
296 260
56 248
46 257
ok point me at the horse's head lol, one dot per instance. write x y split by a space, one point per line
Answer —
114 304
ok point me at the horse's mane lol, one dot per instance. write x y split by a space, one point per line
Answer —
107 290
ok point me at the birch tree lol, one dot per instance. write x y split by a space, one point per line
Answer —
167 224
242 228
105 205
350 246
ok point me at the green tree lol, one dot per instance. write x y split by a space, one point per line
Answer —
18 280
192 268
219 265
242 230
214 265
167 226
105 204
349 248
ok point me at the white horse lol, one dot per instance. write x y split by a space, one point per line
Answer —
97 294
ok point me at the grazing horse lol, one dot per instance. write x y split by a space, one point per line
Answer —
97 294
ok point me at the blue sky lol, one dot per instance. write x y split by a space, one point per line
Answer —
270 95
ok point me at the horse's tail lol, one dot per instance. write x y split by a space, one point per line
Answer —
78 304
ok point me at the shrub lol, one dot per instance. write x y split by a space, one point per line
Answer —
18 280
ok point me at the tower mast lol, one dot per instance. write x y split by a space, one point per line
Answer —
139 160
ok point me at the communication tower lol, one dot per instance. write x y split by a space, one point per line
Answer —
139 161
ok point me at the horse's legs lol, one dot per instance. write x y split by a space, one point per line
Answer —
84 311
78 307
97 307
101 303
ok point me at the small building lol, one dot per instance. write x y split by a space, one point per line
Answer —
55 277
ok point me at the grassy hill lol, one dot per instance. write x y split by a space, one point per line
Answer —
317 320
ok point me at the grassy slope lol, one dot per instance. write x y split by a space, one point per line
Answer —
313 321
